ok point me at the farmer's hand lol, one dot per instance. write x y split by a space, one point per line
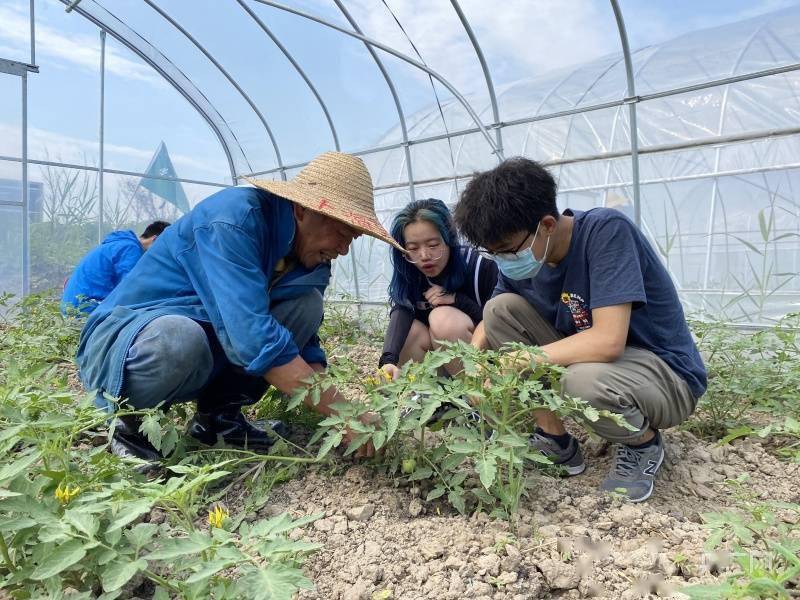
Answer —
368 449
437 296
392 370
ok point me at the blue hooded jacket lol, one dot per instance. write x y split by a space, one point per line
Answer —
101 270
214 265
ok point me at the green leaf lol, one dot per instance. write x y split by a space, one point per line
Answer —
746 243
487 469
436 492
333 440
464 447
20 465
105 556
331 421
84 522
119 573
735 433
421 473
273 582
16 524
357 442
141 535
591 413
208 569
175 548
392 421
10 432
453 461
130 512
151 428
161 594
764 226
457 500
62 557
379 439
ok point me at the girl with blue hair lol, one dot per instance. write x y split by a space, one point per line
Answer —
438 286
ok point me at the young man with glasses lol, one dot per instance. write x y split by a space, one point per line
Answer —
587 287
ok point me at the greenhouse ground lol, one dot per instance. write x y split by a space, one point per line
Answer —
725 513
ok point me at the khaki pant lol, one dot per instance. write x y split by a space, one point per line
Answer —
639 385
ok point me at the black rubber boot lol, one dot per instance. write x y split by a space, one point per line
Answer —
127 442
233 429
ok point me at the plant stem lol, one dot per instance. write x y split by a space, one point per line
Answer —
6 556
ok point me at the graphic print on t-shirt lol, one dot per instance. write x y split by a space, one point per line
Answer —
578 309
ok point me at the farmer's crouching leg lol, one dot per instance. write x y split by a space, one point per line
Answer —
219 406
169 361
649 396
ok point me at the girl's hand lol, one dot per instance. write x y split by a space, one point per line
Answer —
437 296
392 370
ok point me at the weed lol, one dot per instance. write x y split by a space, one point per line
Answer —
764 545
747 371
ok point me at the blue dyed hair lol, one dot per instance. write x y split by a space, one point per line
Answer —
408 282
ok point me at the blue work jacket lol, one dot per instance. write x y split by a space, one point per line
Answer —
101 270
214 265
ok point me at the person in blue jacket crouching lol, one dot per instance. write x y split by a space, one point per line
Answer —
228 301
101 270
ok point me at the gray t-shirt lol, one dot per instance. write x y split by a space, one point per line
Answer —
610 262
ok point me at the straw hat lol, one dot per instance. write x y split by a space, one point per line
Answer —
337 185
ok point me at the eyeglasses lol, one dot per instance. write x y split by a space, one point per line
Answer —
506 254
430 252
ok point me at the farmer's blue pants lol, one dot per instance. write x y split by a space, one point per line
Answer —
175 359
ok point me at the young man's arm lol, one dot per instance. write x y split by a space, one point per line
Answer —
479 337
603 342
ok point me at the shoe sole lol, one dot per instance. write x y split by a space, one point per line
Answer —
573 470
652 483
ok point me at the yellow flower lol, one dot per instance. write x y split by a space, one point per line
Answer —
217 516
379 378
411 378
65 493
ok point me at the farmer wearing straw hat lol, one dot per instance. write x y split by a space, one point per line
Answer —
227 301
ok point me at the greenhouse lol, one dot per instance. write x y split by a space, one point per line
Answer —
683 116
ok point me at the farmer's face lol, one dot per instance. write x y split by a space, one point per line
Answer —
319 238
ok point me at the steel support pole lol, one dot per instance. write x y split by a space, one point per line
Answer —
26 246
101 197
32 16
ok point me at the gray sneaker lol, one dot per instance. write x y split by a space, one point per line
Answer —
570 459
635 470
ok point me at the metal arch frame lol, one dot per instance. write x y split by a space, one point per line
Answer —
227 76
392 91
631 100
405 58
297 68
487 75
100 23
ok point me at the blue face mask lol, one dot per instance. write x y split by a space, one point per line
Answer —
523 264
